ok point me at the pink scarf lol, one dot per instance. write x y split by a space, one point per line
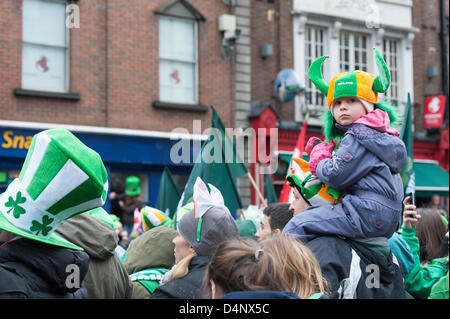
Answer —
378 120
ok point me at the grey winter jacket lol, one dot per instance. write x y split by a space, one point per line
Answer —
107 277
366 168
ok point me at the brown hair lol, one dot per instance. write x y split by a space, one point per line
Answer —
430 231
278 263
300 270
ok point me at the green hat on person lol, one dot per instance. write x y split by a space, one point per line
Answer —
103 216
313 191
152 217
60 178
132 186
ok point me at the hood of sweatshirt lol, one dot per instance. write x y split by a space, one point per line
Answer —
152 249
97 238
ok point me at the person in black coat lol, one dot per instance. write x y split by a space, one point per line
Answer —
198 234
61 178
30 269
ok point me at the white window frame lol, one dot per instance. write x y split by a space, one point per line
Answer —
195 62
354 50
301 68
387 42
318 99
332 66
67 54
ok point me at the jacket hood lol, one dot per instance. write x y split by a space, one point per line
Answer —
343 261
386 266
45 261
389 148
96 237
152 249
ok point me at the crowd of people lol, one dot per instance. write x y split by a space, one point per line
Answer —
349 233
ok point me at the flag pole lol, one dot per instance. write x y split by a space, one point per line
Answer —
252 181
242 213
299 148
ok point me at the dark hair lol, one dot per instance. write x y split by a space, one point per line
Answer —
279 214
430 231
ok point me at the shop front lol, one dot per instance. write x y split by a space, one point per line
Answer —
124 153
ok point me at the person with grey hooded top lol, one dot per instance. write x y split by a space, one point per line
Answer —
107 277
199 231
365 167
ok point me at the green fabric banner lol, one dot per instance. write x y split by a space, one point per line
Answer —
169 194
269 190
213 165
406 135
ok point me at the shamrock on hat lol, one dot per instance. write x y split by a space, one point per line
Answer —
60 178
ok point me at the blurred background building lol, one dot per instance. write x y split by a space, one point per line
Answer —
122 75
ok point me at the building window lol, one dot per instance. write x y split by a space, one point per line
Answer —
390 55
314 48
353 51
178 79
45 46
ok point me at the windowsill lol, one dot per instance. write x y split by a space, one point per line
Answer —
179 106
47 94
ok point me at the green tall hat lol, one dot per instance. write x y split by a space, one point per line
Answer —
132 186
359 84
60 178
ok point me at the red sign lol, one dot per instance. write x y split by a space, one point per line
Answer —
434 111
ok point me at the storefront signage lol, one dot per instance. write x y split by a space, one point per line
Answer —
434 111
13 140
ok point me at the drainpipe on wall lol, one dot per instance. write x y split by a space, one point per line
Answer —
444 58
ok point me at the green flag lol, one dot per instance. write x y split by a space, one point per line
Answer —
169 194
235 163
215 173
269 190
406 135
213 165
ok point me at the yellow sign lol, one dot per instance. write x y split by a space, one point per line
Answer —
12 141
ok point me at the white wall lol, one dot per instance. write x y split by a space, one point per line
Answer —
377 19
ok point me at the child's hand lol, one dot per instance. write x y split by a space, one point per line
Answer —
410 216
313 141
321 151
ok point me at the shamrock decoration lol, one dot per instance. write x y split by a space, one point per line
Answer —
36 226
14 204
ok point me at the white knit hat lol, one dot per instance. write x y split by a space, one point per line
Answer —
367 105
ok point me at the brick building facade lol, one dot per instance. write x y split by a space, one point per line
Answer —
407 32
113 69
110 81
116 67
429 77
